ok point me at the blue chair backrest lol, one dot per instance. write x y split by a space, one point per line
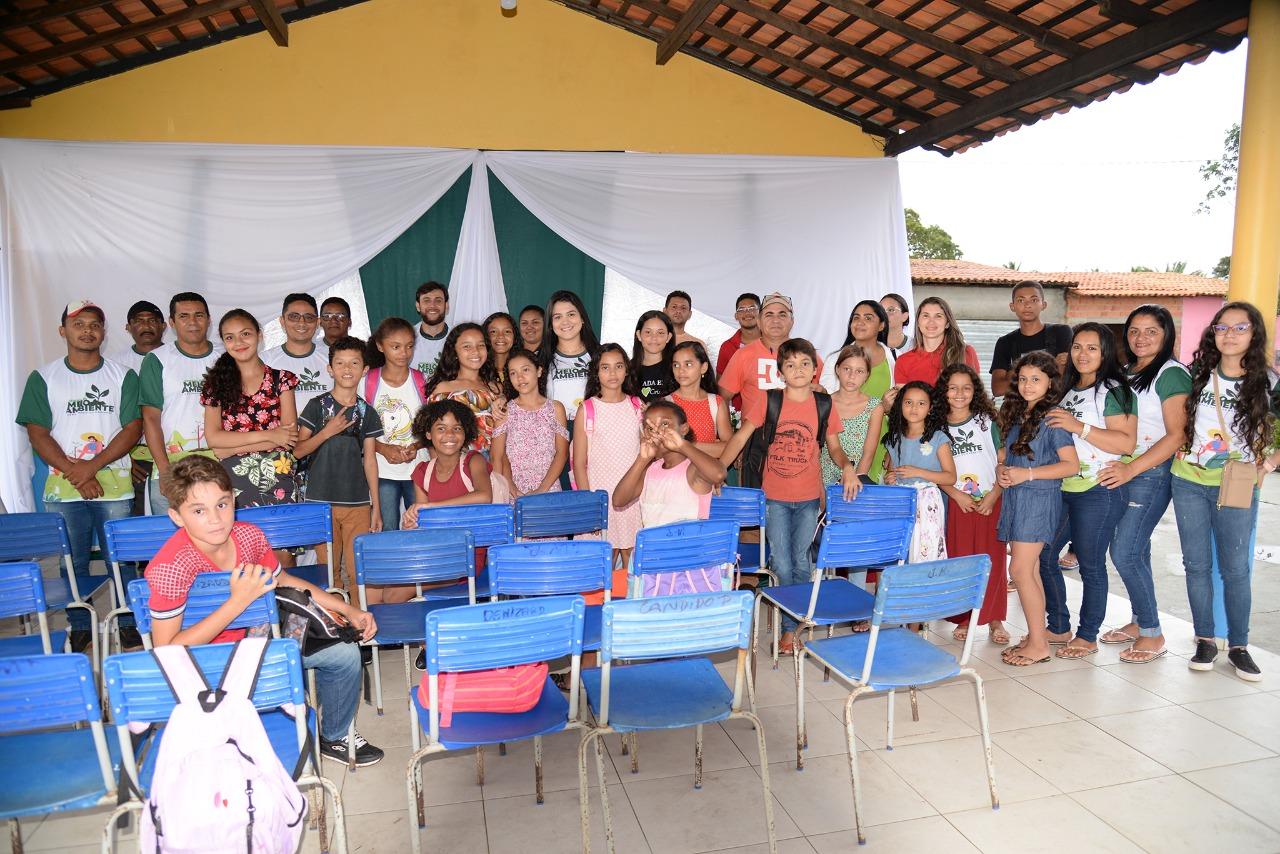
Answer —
561 514
503 634
550 568
671 626
920 592
740 504
31 536
208 591
865 543
137 538
139 693
42 691
489 524
685 545
872 502
414 557
21 589
289 526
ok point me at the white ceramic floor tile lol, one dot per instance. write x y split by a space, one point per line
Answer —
917 836
67 830
727 812
826 734
670 753
513 774
869 719
1172 815
1010 705
519 826
1181 740
820 798
1169 677
447 778
1255 716
799 845
451 827
1253 787
952 776
1040 827
1078 755
1092 693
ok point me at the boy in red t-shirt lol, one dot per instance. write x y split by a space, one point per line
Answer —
202 505
792 478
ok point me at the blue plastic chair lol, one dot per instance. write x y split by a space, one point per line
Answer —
289 526
52 763
555 568
415 557
682 547
489 524
886 659
746 506
562 514
674 686
208 591
22 595
481 637
134 539
32 536
140 698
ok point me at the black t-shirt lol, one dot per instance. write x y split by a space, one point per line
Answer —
655 381
1054 338
337 467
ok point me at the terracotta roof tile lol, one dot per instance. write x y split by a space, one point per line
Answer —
927 271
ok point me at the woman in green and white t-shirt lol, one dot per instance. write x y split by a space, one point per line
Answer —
1231 414
1100 411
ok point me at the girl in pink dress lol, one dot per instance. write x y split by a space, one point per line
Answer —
536 429
606 441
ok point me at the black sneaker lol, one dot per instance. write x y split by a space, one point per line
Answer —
420 663
366 753
1242 661
129 638
1206 654
80 639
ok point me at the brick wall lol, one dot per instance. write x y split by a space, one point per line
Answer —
1114 309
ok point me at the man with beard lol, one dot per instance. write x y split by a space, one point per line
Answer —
432 304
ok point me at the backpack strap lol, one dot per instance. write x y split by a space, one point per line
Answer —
772 409
179 668
420 383
824 414
590 411
638 405
240 677
371 384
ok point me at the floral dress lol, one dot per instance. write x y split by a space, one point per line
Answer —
482 403
531 444
260 477
853 437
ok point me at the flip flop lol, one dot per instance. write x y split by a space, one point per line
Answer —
1068 652
961 632
1151 655
1116 636
1063 563
999 636
861 626
1019 660
1011 586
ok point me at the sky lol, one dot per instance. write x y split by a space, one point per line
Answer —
1111 186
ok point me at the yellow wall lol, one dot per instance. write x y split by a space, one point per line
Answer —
449 73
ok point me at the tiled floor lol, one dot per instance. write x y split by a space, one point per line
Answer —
1095 755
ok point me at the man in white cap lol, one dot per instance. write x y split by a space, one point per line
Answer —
753 370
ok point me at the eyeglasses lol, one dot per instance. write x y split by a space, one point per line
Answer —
294 317
893 310
333 315
1238 328
751 309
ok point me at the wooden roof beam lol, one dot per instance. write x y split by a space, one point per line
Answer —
1128 12
42 14
693 17
102 39
1169 31
270 17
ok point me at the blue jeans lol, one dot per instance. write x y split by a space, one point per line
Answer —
390 494
159 504
1201 524
791 528
337 670
84 519
1148 498
1089 522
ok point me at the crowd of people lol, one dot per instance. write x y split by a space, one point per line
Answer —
1092 440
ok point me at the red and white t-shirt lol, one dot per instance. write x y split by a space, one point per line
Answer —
753 370
172 571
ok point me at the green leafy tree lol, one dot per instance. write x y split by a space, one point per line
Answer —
1176 267
1013 265
929 241
1141 269
1221 174
1223 268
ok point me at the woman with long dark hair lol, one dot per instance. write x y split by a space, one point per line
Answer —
698 396
938 343
868 327
396 392
1100 411
569 343
1161 384
466 373
651 349
250 416
500 336
1230 415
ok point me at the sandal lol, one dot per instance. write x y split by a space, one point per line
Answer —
1141 656
1020 660
1073 563
998 636
961 632
787 646
861 626
1011 586
1116 636
1075 653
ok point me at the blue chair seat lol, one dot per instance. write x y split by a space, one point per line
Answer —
57 591
31 645
315 573
749 558
591 628
404 622
281 732
70 780
458 590
475 729
839 601
662 694
903 658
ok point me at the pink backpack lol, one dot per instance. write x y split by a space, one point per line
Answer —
218 785
498 486
375 374
589 411
506 690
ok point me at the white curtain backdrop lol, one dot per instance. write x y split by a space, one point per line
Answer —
245 225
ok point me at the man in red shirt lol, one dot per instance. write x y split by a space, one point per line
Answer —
202 505
747 312
753 370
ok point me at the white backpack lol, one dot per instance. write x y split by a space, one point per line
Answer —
218 785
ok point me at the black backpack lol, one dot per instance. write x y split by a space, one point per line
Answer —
753 458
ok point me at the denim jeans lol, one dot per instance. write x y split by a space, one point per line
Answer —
390 494
337 670
1201 523
159 504
1148 498
84 519
1089 522
791 528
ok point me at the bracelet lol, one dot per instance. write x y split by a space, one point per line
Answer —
1031 474
1084 434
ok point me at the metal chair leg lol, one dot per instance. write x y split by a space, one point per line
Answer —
15 836
584 792
416 819
697 757
985 728
635 753
479 766
888 724
604 798
537 768
764 780
800 728
377 681
851 746
339 818
502 748
826 671
915 705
